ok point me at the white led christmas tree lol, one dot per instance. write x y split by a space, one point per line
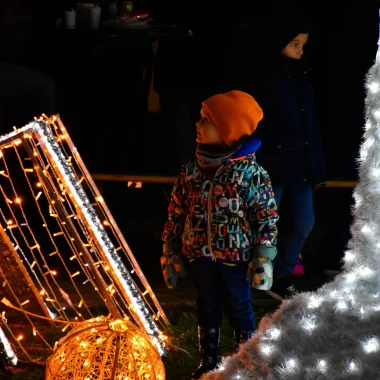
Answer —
333 333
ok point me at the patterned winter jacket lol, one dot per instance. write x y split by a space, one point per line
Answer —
227 215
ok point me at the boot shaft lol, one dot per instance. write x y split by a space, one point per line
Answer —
209 339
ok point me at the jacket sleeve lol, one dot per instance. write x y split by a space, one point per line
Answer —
262 215
177 210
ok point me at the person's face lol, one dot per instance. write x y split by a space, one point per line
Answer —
207 132
295 47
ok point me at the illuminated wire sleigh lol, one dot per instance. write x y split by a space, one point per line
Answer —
53 217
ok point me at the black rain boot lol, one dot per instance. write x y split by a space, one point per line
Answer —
208 348
241 336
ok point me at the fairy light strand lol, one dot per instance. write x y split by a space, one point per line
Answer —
122 244
49 148
35 246
54 243
22 309
96 227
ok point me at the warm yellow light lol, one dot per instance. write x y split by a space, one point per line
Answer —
131 356
20 337
18 200
38 184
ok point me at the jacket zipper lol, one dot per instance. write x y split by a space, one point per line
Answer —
209 215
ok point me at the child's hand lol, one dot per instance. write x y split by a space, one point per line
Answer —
260 273
172 267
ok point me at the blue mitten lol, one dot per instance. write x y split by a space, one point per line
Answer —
172 266
260 273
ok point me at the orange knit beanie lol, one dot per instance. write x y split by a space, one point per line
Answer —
235 114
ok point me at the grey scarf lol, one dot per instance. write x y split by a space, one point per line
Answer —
211 157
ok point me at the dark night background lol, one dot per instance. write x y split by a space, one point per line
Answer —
102 96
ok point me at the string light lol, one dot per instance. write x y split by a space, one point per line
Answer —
89 214
46 156
371 345
8 348
127 352
69 149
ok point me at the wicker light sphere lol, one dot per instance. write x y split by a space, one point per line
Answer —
105 349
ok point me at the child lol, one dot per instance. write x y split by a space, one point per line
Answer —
291 142
223 213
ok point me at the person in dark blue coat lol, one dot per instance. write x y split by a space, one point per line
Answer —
291 148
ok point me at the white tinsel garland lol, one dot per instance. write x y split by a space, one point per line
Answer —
333 333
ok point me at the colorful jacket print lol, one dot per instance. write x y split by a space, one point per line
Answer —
227 215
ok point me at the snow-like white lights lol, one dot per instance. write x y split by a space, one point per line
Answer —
376 113
349 256
273 333
308 323
322 366
290 366
7 347
220 367
366 272
341 305
350 277
361 272
352 366
366 146
376 172
366 229
376 308
266 349
373 87
371 345
315 302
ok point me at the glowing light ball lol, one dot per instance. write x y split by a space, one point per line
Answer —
105 349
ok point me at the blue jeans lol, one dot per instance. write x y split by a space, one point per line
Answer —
300 203
222 287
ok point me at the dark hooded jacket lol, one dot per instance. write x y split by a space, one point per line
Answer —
291 148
